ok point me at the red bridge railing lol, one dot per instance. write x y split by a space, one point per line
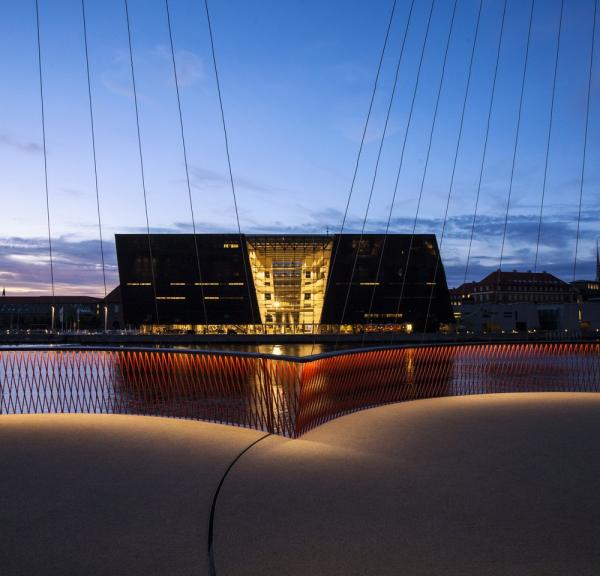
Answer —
279 394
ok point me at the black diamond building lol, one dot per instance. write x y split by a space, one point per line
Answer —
224 283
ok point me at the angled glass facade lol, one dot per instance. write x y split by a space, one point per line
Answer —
282 283
290 275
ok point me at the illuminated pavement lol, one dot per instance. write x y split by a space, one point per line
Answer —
488 485
483 485
109 495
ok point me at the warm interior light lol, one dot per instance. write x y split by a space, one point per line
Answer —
290 276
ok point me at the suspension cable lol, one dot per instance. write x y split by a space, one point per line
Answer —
454 163
185 161
233 193
93 135
358 157
431 133
485 144
141 158
585 138
44 147
517 134
376 170
401 163
548 138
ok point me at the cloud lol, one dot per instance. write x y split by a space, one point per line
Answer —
23 146
117 78
24 262
25 265
190 67
207 179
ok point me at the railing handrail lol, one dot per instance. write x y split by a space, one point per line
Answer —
287 357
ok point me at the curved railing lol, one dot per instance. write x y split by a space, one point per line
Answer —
280 394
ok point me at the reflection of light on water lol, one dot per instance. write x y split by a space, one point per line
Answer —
277 350
410 364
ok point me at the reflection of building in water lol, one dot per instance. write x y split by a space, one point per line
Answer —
282 283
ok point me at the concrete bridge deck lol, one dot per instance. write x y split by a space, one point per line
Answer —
478 485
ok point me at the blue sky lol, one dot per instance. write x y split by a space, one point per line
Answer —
296 80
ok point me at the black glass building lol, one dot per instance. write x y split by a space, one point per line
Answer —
282 283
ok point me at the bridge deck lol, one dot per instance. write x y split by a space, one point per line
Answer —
479 485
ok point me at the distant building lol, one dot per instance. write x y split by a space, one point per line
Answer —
521 302
501 287
36 312
589 290
463 294
282 283
114 310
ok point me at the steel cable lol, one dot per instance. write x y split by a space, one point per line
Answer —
94 156
485 144
517 134
45 153
549 136
376 170
401 163
454 163
141 158
585 138
431 133
185 161
235 204
358 157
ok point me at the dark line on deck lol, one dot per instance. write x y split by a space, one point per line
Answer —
211 557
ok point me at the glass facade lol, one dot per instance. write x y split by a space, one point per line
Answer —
290 276
292 284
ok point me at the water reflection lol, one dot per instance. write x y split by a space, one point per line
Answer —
299 349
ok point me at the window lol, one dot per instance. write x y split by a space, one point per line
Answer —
307 296
307 274
267 295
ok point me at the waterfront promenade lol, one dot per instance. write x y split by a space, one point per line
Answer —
476 485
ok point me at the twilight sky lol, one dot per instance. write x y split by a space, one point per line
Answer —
296 78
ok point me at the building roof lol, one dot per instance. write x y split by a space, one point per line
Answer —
114 295
464 289
49 300
502 277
